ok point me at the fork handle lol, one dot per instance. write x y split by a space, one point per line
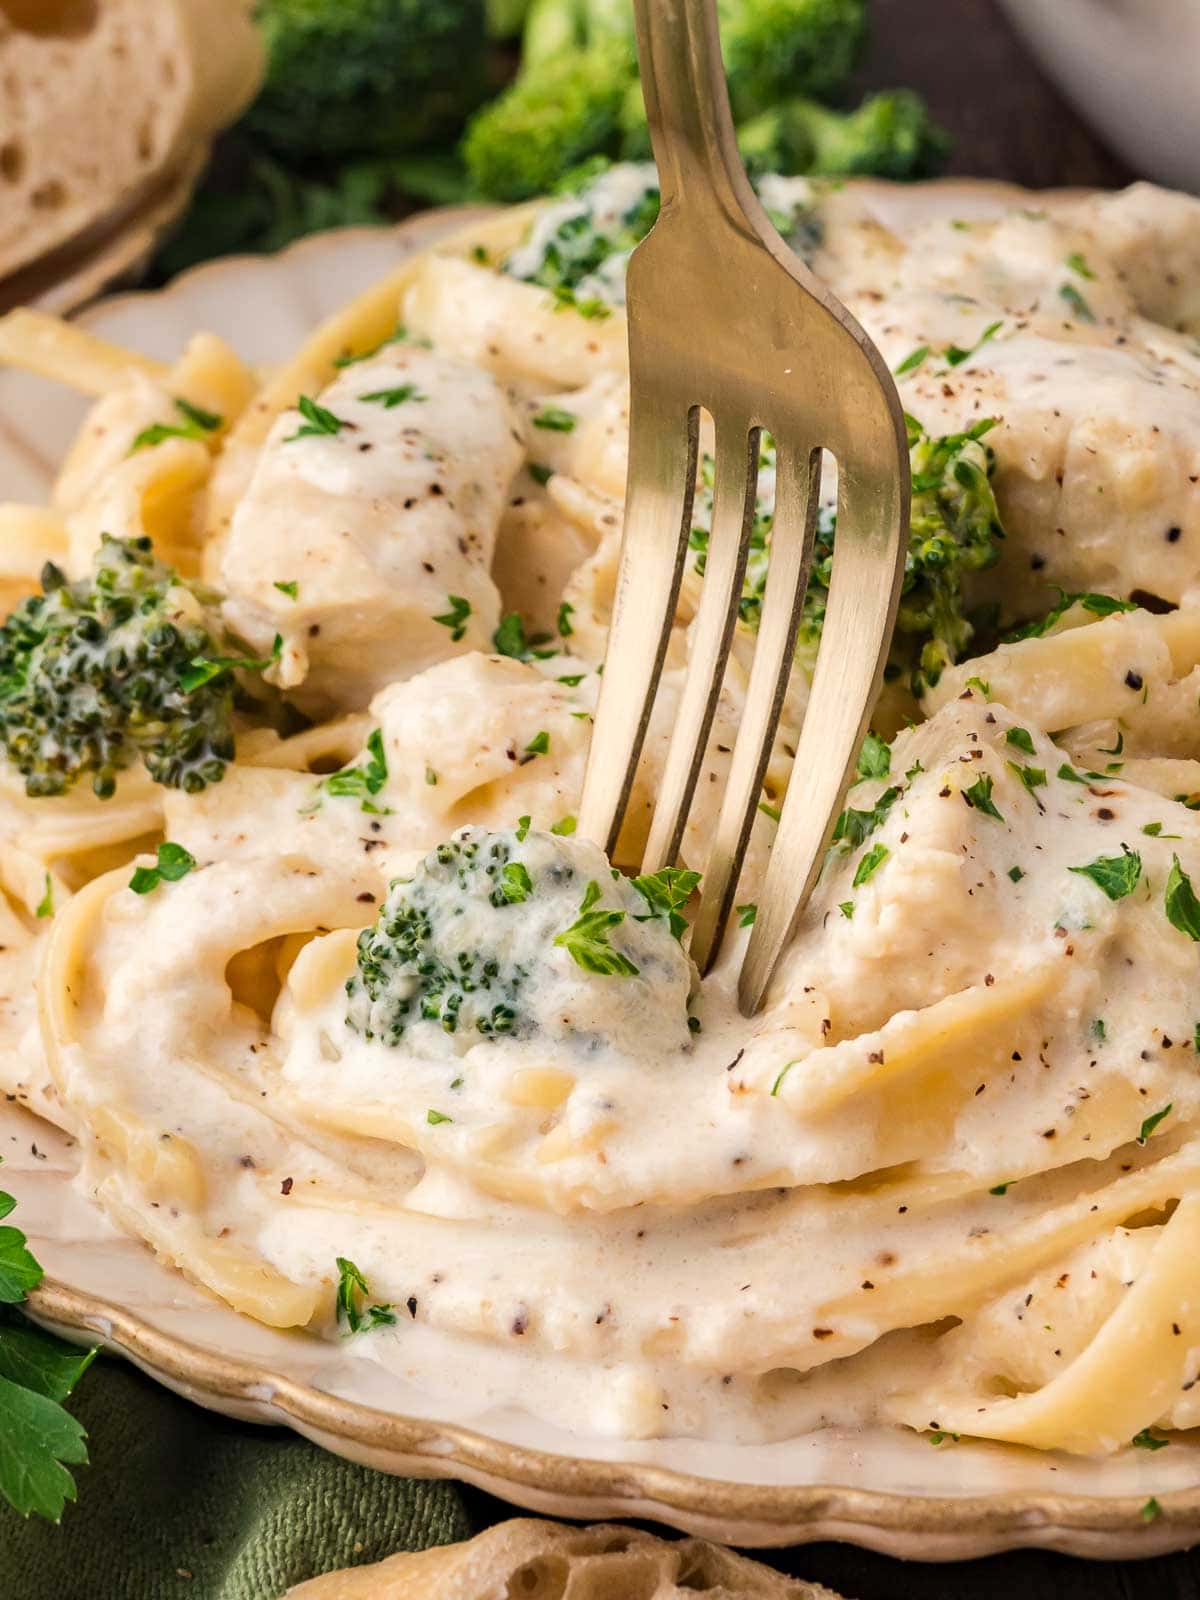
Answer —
687 103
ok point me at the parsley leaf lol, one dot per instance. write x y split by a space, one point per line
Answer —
45 906
1069 293
515 883
564 827
203 669
436 1118
352 1290
1032 777
1152 1122
1179 898
912 361
389 399
555 419
290 588
174 862
1148 1441
1116 875
456 618
979 795
363 782
1077 263
522 829
854 827
195 425
317 420
875 758
870 864
565 612
747 914
586 941
1022 738
846 907
666 893
1151 1511
539 745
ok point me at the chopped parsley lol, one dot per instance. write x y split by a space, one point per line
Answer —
317 421
777 1085
854 827
912 361
522 829
539 745
979 795
1100 1030
870 864
1078 263
290 588
1032 777
1022 738
389 399
956 355
196 424
747 914
875 758
1097 605
515 883
1016 874
45 906
1068 774
846 907
1148 1441
1151 1511
554 419
436 1118
539 472
456 618
1179 898
565 612
564 827
203 669
1152 1122
586 941
666 893
363 782
352 1291
1069 293
173 863
1002 1188
1117 876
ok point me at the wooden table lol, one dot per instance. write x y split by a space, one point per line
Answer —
1008 122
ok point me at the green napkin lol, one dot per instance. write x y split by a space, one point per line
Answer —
179 1504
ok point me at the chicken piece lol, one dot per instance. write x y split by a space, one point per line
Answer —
366 536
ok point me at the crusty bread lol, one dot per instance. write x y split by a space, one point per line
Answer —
103 102
549 1561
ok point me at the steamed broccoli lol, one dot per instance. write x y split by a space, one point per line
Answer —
578 94
889 135
126 664
954 530
517 934
367 77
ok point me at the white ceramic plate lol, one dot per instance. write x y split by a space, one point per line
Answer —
891 1492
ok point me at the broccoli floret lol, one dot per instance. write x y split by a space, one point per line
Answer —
126 664
553 117
578 93
364 77
517 934
777 48
954 531
890 135
578 246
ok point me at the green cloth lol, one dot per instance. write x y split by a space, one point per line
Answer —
178 1504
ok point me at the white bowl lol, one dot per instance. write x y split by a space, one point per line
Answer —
1132 68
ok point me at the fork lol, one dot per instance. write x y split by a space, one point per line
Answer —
724 318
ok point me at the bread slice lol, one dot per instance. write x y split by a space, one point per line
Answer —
103 101
549 1561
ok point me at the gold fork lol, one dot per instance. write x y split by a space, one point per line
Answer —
724 318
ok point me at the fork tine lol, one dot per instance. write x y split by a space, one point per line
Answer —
872 517
661 481
728 545
797 486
